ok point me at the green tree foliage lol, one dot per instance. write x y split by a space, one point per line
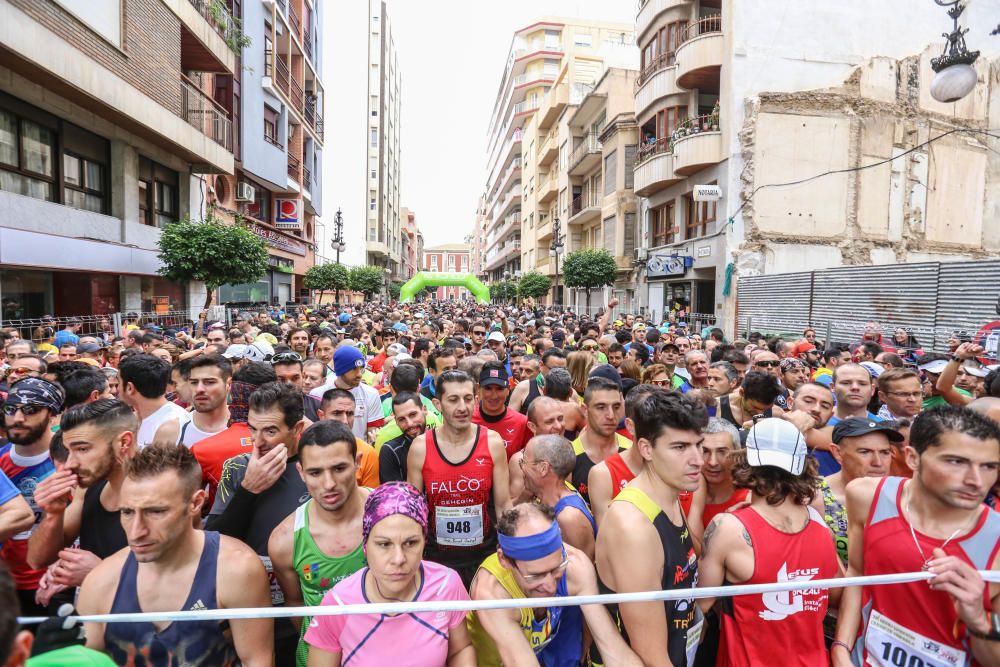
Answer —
212 252
533 285
503 291
368 280
326 277
590 268
394 288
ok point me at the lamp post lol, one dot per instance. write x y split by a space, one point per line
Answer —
337 244
554 249
955 76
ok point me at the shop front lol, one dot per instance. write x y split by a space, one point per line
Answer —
279 285
681 282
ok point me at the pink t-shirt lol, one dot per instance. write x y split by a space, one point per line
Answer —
420 640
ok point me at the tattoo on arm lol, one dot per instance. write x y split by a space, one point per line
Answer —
709 534
746 537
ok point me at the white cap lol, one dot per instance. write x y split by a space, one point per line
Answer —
776 442
256 352
936 367
497 336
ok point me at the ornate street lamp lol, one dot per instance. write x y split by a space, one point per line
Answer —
554 250
955 76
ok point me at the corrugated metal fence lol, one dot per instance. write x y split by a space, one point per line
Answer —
930 300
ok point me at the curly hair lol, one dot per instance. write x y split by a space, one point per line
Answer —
774 484
160 457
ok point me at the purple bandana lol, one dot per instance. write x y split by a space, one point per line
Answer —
393 498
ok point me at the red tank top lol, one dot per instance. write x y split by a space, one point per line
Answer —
714 509
459 495
621 474
897 623
756 628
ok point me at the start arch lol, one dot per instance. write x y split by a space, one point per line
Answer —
430 279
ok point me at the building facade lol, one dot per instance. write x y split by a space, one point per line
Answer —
410 252
277 189
112 126
448 258
550 62
384 241
722 102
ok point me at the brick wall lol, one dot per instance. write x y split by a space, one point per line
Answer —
151 61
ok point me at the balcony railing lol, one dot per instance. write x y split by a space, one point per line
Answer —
294 164
307 44
310 110
204 113
655 147
298 95
281 74
307 178
697 125
522 79
583 201
217 14
579 91
294 21
526 106
658 63
318 126
591 144
703 26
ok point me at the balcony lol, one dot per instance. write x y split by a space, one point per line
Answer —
297 95
294 165
533 79
553 104
294 22
512 197
584 208
700 55
656 82
510 224
307 45
210 38
549 150
500 256
205 114
307 178
526 107
586 156
654 170
650 10
548 188
698 145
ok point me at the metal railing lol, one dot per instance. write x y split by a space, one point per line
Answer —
298 95
318 126
703 26
580 91
583 201
307 178
307 45
526 106
590 145
217 15
697 125
648 150
310 110
281 74
294 21
660 62
294 164
205 114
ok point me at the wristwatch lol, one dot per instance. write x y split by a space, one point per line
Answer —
994 633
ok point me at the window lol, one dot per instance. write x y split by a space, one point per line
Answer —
610 235
83 183
451 262
26 157
661 225
630 153
373 165
270 125
610 173
373 138
374 105
563 156
372 200
582 39
158 193
434 262
699 215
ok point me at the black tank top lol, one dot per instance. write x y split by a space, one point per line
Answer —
533 393
726 412
101 531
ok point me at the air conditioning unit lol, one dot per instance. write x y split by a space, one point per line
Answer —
641 254
244 192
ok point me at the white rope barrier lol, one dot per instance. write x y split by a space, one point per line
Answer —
517 603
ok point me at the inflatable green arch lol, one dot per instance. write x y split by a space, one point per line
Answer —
431 279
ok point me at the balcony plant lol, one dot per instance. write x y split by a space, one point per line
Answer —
231 26
713 118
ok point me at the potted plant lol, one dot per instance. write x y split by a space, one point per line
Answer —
713 118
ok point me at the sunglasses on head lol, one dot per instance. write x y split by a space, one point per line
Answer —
286 357
28 409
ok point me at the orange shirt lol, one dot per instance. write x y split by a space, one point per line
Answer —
213 452
368 470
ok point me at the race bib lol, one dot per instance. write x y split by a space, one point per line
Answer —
694 637
889 644
277 595
459 526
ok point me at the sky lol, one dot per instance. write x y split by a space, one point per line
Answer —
452 55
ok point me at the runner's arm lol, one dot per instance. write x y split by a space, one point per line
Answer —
517 491
576 530
599 489
517 396
820 438
502 625
244 584
582 580
860 494
15 517
280 548
461 653
946 381
501 479
233 508
712 565
55 532
415 462
97 595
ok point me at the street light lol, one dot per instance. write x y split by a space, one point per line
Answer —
337 243
554 249
955 76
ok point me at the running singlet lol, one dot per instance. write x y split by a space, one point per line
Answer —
756 628
574 500
714 509
621 474
25 472
418 639
101 531
680 571
835 516
511 426
318 572
584 463
460 500
897 628
191 643
556 638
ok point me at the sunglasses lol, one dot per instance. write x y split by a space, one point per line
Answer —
286 357
767 364
589 348
478 333
22 370
27 409
660 383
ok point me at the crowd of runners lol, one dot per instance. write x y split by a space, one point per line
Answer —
451 451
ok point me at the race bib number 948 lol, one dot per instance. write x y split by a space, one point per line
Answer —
459 526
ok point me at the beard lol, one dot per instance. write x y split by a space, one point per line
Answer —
31 435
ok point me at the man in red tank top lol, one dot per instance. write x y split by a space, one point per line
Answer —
937 522
778 538
493 413
717 494
462 468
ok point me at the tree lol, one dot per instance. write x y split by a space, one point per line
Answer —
367 279
212 252
590 268
534 285
394 287
324 277
503 291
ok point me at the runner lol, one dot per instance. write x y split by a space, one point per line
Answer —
463 469
208 379
599 440
319 544
545 417
338 405
170 566
394 532
778 538
144 381
534 561
493 413
644 543
718 494
937 522
349 366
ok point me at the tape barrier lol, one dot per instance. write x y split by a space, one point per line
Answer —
391 608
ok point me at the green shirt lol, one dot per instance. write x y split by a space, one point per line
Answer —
317 571
391 431
71 656
938 401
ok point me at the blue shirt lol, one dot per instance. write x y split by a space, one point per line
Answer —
827 464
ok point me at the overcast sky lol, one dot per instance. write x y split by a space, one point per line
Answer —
452 54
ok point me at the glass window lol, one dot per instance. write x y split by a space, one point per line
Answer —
82 184
158 193
8 139
71 170
36 143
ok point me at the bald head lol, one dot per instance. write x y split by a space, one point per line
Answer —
988 406
555 450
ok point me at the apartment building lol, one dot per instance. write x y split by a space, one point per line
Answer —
448 258
550 63
733 95
112 126
412 245
278 99
384 237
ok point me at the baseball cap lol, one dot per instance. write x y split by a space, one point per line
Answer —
258 351
493 376
397 348
606 371
873 369
638 326
618 323
86 348
776 442
497 336
855 426
346 359
937 366
399 326
803 347
974 371
344 318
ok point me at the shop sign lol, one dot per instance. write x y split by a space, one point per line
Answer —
276 240
287 213
663 264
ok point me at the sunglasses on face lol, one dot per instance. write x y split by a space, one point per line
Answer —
767 364
660 383
589 348
27 409
478 333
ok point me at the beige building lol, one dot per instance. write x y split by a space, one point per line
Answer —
825 144
551 63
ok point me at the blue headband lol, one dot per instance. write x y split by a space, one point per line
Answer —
531 547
